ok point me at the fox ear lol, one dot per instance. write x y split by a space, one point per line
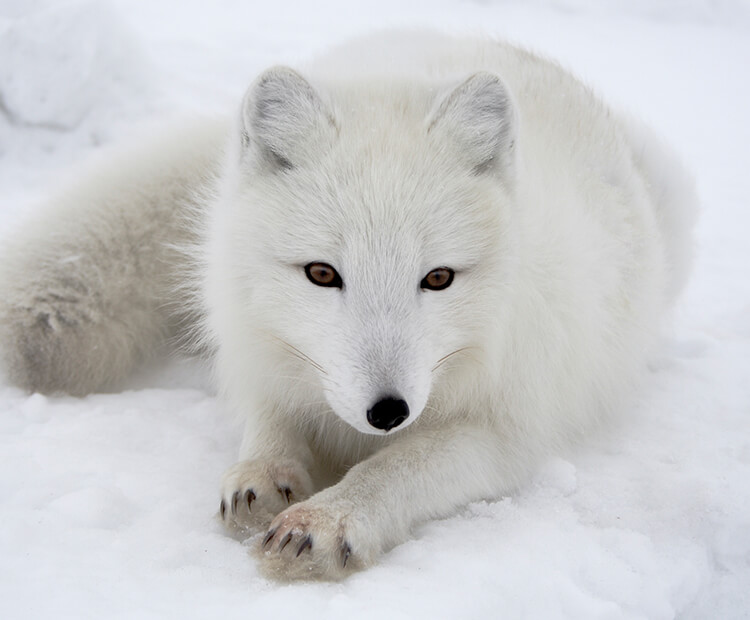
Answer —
284 121
480 117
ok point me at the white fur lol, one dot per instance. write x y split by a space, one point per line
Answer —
568 230
87 286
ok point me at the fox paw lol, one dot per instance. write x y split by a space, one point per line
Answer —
254 492
314 541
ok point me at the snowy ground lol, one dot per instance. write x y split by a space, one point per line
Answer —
107 503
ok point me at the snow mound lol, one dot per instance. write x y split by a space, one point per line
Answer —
61 62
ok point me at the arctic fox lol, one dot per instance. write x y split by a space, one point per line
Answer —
421 264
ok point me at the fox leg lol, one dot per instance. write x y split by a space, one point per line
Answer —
373 508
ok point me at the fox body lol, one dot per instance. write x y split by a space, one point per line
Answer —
421 264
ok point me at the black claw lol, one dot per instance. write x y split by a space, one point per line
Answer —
305 544
249 497
222 508
268 537
285 541
235 499
346 551
286 493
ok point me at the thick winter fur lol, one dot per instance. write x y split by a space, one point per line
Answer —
87 287
567 228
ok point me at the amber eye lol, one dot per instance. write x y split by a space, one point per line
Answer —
438 279
323 274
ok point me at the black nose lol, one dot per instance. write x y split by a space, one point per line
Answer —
388 413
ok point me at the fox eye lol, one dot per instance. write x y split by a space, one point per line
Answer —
437 279
323 274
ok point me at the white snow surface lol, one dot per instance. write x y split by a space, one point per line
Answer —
108 503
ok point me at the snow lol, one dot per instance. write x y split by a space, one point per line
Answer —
107 503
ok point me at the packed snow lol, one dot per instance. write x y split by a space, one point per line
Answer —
108 503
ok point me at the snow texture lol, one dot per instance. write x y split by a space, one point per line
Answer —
108 503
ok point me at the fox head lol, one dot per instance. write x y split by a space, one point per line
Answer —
367 238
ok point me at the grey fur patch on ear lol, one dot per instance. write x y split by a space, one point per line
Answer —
284 120
480 116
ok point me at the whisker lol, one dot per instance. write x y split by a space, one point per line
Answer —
323 385
298 379
299 354
299 357
445 358
313 404
302 357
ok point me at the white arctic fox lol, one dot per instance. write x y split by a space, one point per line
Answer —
422 263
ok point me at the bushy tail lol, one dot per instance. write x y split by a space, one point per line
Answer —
86 285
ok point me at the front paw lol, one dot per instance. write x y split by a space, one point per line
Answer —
314 540
254 492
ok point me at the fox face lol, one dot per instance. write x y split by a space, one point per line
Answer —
370 236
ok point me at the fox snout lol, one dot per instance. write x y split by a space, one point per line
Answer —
375 395
388 413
